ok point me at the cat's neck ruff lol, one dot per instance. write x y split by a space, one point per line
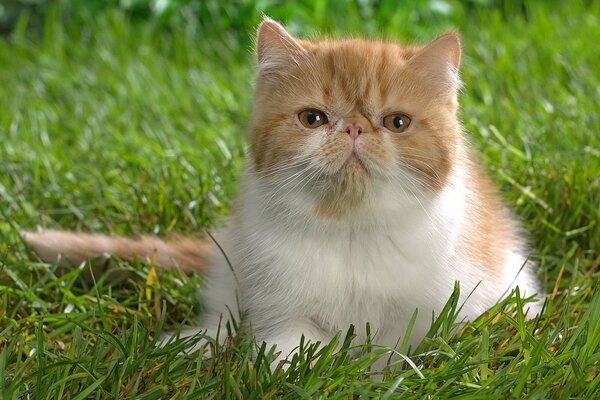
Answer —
385 203
394 257
426 223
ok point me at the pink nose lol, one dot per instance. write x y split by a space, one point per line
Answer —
354 129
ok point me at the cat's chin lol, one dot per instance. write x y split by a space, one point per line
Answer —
352 175
354 165
343 190
354 160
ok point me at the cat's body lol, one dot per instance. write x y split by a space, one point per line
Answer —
316 279
360 203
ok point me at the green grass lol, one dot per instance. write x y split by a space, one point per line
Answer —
126 126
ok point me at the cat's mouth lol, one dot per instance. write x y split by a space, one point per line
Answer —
354 164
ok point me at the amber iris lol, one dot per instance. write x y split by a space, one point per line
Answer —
312 118
396 122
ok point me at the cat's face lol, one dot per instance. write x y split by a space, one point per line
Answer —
337 119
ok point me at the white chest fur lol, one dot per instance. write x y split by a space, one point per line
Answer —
377 268
297 274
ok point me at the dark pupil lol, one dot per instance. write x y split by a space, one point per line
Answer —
311 118
398 122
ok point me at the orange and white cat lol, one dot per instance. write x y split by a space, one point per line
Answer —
361 201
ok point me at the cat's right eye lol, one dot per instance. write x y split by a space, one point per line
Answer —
396 122
312 118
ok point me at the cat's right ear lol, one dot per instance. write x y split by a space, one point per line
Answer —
275 47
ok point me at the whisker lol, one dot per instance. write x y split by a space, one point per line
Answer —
282 184
414 176
437 179
412 152
285 165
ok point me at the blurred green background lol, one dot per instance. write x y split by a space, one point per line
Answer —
367 16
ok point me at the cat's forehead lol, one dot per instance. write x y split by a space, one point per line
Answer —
357 50
357 72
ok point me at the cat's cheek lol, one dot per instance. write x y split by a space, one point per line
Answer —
315 138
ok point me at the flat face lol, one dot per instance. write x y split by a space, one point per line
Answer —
352 114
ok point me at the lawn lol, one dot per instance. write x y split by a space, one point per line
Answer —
115 119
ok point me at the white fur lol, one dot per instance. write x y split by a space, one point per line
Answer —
295 274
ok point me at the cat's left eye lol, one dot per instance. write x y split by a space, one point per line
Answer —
396 122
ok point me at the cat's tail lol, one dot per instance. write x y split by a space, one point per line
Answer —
70 249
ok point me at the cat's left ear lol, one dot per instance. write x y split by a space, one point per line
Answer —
439 61
275 47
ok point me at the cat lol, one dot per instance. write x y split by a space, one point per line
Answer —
361 201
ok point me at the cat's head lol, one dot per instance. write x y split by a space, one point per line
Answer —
336 120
